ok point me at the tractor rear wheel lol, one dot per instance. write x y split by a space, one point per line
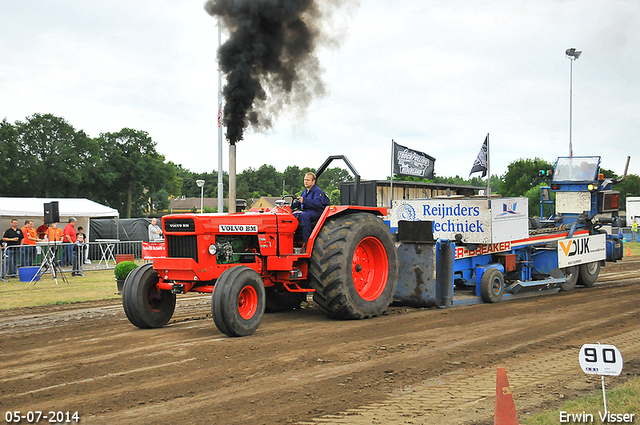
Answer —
588 273
282 300
571 277
492 286
145 305
238 301
354 267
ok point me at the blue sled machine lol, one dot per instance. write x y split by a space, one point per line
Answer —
463 250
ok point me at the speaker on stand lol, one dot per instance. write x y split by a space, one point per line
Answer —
52 215
51 212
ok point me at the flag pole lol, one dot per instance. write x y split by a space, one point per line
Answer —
488 171
220 173
391 190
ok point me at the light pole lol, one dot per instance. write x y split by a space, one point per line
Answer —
200 184
572 54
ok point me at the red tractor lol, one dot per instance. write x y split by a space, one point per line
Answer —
252 262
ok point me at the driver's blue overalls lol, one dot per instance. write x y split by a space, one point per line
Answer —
313 202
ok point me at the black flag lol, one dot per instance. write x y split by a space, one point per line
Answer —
480 163
408 162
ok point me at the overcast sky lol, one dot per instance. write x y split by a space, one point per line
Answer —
435 76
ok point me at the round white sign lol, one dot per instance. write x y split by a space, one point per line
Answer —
600 359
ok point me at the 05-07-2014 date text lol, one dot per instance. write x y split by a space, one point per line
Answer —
51 416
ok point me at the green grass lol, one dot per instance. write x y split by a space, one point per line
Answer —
94 285
623 399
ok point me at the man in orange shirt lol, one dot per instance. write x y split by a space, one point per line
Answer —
29 243
54 233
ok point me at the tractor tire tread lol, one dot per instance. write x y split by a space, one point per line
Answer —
329 268
135 299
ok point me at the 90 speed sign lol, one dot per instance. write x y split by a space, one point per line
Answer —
600 359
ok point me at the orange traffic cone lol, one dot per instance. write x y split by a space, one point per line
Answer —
505 410
628 251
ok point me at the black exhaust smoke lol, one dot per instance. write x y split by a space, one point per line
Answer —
269 59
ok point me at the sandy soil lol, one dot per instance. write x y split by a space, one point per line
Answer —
410 366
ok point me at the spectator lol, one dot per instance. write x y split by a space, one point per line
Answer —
54 233
78 255
155 232
81 232
42 230
3 266
84 258
69 240
28 243
13 238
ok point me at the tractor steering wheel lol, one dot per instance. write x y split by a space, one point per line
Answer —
293 198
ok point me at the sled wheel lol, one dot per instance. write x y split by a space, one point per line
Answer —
282 300
492 286
571 276
588 273
354 267
145 305
238 301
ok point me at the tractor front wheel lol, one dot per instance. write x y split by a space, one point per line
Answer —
354 267
145 305
238 301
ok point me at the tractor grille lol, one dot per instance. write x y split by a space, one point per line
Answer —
182 246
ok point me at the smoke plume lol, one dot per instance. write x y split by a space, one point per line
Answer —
269 59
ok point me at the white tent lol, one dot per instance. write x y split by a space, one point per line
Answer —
33 208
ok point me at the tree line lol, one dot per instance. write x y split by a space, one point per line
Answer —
45 156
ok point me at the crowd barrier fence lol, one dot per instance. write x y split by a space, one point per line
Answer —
99 255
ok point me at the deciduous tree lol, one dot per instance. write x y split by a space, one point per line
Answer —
54 158
11 184
131 169
522 175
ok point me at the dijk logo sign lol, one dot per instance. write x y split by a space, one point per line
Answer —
572 252
575 247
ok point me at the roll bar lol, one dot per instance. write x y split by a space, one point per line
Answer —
330 159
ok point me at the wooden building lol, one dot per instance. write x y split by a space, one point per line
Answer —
377 193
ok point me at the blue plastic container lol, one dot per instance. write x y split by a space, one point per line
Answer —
27 274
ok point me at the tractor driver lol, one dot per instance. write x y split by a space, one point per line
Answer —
587 172
312 202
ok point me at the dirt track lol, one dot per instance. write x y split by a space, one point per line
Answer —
411 366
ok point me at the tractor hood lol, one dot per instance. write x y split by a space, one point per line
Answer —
249 223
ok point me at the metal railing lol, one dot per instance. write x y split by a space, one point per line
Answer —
99 255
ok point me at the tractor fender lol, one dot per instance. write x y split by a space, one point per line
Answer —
336 210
